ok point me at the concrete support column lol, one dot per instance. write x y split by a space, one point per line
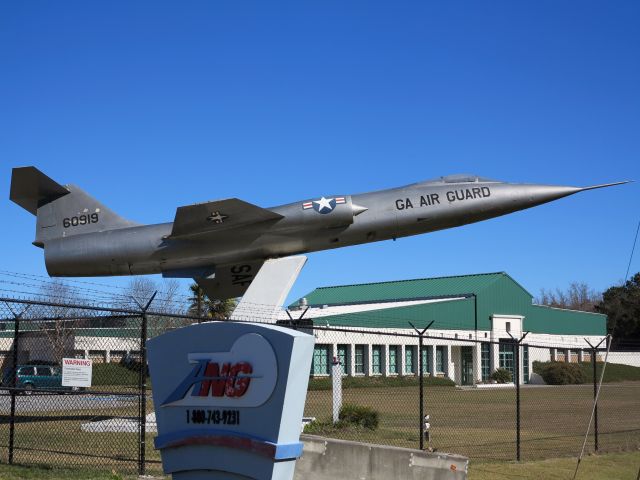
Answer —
352 359
448 363
401 360
86 354
107 356
495 357
554 354
385 360
477 365
432 360
581 355
333 353
567 355
367 361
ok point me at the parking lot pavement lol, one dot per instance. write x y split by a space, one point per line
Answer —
52 402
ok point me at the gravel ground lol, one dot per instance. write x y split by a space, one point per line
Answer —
52 402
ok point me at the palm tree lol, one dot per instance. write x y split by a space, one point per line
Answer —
201 305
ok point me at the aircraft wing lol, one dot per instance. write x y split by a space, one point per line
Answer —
219 215
230 280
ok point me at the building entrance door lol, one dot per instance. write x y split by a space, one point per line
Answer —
466 364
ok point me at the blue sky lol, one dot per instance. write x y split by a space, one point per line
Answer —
153 105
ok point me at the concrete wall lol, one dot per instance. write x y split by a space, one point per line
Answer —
330 459
625 358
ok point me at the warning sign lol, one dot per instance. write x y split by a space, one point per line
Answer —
76 372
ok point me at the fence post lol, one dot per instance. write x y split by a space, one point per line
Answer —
14 367
595 395
516 346
594 351
421 380
517 379
142 388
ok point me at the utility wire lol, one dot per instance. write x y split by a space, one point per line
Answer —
609 342
632 250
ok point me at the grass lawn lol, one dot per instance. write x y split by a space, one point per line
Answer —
612 466
18 472
476 423
56 439
481 423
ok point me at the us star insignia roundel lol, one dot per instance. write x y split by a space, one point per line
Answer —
324 205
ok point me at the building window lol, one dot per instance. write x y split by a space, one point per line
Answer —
426 359
408 360
393 359
440 358
525 363
485 361
321 360
359 359
376 359
505 356
344 358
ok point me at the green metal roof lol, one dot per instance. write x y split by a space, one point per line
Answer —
448 314
496 293
543 319
406 289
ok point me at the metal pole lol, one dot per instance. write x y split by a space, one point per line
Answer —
595 396
16 346
12 415
594 351
475 314
421 370
421 378
517 379
143 395
516 346
142 388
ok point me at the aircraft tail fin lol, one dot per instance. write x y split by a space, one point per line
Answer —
61 211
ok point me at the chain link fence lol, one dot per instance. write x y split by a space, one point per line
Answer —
110 425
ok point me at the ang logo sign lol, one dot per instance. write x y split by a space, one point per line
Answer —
243 377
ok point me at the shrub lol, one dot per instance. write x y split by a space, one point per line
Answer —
561 373
113 374
358 415
501 375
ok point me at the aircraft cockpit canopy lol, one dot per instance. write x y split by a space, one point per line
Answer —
458 178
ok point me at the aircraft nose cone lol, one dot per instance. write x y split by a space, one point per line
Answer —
547 193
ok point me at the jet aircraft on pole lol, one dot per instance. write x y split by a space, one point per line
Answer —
222 244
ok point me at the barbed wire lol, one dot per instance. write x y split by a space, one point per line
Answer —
39 284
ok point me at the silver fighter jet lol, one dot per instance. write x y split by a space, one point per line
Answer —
222 244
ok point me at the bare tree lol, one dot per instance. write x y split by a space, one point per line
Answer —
577 297
167 301
57 321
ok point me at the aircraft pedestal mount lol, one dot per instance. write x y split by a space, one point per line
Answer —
229 396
